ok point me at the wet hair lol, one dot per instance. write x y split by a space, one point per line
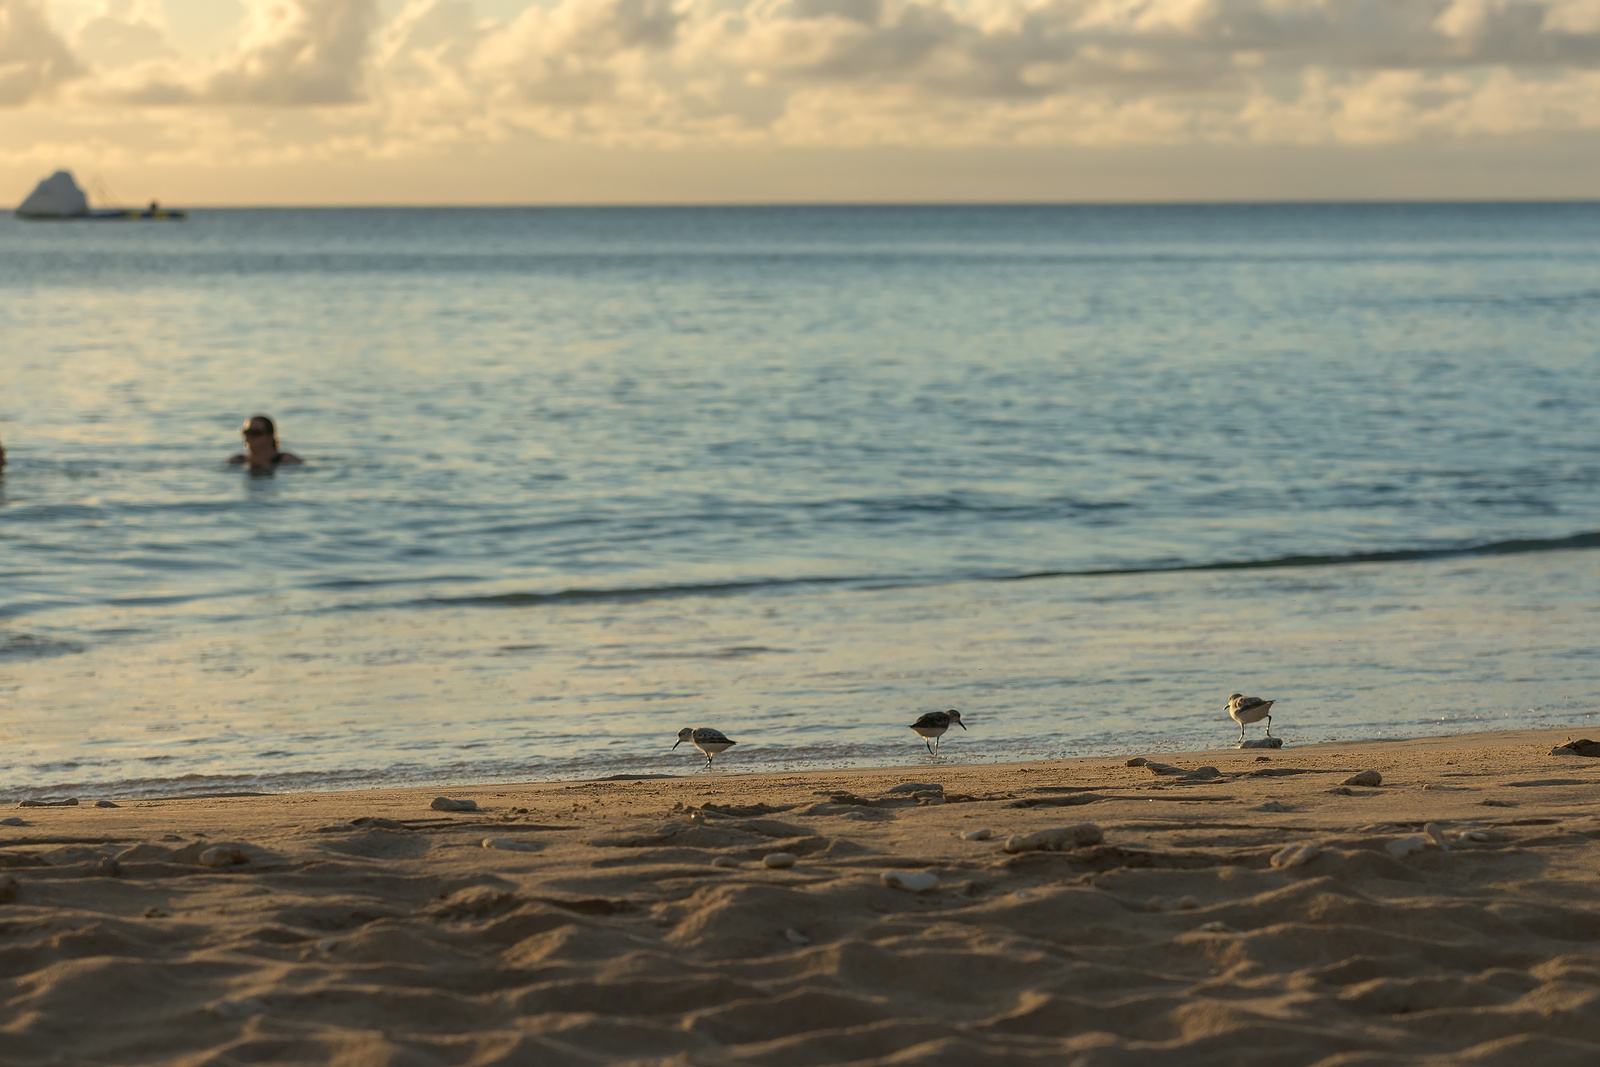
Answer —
266 424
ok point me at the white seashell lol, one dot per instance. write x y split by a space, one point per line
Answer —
977 835
1401 847
910 881
222 856
509 844
1295 855
1435 831
778 860
1057 839
795 937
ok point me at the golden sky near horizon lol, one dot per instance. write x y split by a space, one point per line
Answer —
383 101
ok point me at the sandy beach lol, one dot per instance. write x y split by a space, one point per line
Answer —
1227 907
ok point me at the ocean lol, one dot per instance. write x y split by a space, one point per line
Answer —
577 478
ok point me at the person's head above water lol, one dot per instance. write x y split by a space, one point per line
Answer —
261 445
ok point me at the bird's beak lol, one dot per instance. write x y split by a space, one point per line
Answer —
962 725
678 742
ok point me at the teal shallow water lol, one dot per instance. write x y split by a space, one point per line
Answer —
578 478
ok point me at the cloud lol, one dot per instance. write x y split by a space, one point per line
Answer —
297 53
121 33
292 53
34 60
858 72
1033 71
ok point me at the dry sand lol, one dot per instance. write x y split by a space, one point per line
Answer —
635 921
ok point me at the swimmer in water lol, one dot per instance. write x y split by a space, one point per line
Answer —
261 452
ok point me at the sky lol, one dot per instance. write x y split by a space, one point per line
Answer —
219 102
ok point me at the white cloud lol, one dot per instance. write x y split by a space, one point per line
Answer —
853 72
291 53
34 60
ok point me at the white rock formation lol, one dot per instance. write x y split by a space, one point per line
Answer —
57 197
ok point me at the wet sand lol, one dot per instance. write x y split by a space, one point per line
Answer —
1447 915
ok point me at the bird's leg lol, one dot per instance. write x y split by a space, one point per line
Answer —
1269 725
708 761
927 745
1241 733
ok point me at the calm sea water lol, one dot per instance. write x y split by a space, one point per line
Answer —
576 479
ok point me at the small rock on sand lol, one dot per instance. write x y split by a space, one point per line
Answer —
916 787
222 856
108 868
106 804
1295 855
1137 761
1056 839
854 816
977 835
509 844
724 861
910 881
8 889
1160 904
1580 747
795 937
1367 778
13 821
71 802
1216 928
242 1008
1435 831
447 804
1401 847
1271 805
1262 742
778 860
1167 770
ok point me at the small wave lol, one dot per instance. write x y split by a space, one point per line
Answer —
653 592
31 646
1518 546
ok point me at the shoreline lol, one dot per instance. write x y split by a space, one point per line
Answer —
92 792
1241 906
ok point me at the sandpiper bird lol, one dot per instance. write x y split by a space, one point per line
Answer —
934 724
711 742
1243 709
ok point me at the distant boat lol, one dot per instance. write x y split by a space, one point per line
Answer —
58 197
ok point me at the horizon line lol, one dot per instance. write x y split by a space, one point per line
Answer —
737 204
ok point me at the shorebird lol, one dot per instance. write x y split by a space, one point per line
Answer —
934 724
711 742
1243 709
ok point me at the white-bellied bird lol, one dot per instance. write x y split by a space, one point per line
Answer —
707 740
1243 709
934 724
